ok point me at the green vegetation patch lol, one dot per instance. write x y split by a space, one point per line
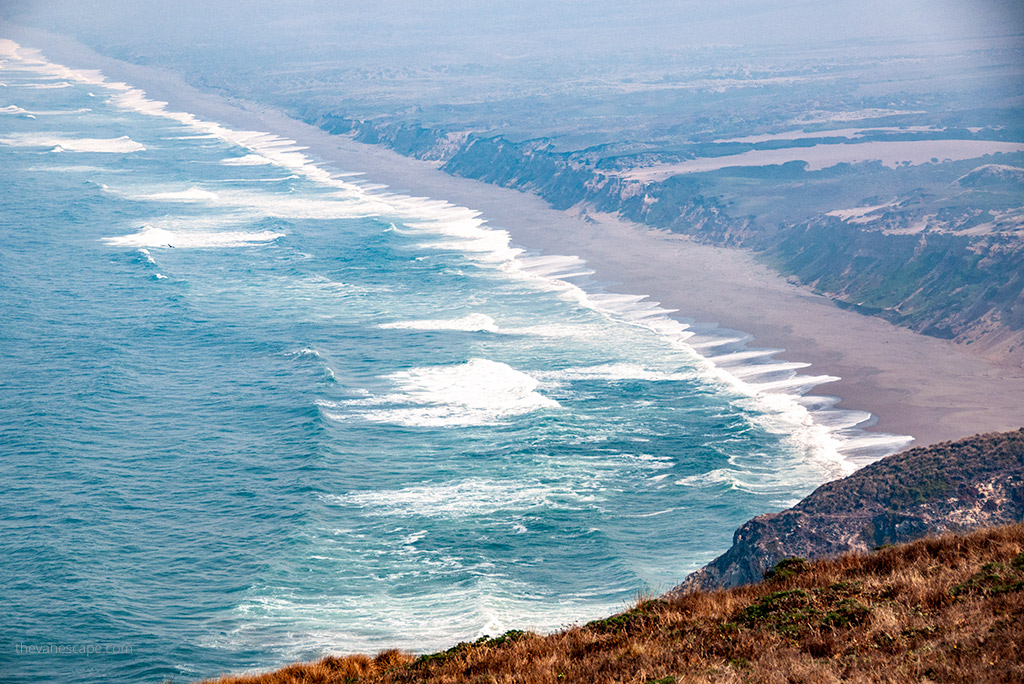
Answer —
486 641
845 613
643 616
792 611
785 569
786 611
994 579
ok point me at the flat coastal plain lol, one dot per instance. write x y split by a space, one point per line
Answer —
931 389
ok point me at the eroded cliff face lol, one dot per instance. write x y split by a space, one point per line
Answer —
950 487
943 264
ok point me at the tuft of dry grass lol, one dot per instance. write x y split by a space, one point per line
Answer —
944 609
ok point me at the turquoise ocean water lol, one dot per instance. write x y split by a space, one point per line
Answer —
253 411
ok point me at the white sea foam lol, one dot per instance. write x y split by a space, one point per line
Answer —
306 351
31 114
707 343
325 362
740 358
456 499
489 602
330 205
554 266
43 86
122 145
150 236
190 195
475 322
280 179
796 383
613 372
462 230
562 330
461 399
765 372
247 160
477 392
733 479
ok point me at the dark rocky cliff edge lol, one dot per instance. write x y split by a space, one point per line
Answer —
949 487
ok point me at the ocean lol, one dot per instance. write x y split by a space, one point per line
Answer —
255 409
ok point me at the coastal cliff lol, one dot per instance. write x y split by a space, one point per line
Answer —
950 487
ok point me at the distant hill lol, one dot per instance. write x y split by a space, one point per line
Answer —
950 487
949 609
992 174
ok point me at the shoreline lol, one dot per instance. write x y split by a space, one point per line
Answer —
914 385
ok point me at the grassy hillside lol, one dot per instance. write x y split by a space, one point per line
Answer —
946 609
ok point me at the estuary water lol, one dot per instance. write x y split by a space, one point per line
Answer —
254 410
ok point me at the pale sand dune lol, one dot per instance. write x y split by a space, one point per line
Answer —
921 386
828 133
890 153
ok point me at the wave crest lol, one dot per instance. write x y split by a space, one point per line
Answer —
477 392
150 236
474 322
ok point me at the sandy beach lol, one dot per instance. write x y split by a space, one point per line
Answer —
931 389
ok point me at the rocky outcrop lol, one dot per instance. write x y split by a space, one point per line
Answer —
950 487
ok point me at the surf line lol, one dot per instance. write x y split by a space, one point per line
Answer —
834 436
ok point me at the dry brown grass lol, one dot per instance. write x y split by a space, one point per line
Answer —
949 609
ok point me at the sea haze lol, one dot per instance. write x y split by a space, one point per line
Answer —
255 411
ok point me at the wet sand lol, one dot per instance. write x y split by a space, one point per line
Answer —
915 385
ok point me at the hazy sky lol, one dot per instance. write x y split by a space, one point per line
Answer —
487 24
